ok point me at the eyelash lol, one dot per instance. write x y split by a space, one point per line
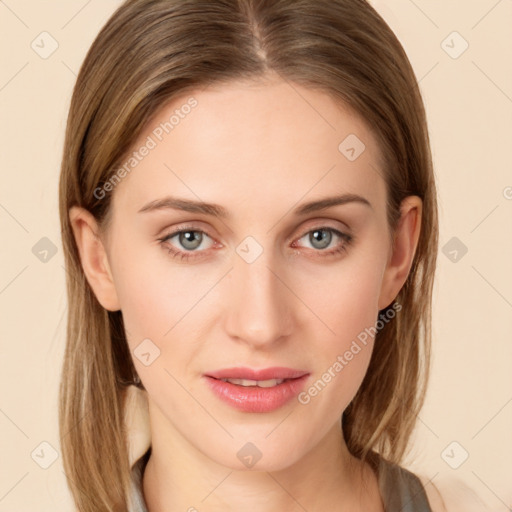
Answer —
187 255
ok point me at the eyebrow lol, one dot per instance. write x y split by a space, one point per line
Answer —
216 210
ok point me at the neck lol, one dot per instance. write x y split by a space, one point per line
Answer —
179 477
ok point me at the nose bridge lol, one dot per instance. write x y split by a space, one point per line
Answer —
259 312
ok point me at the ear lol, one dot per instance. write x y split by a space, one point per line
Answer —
93 257
402 252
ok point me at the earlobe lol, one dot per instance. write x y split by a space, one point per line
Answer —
93 257
402 253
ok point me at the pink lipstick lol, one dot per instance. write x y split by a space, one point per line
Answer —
251 390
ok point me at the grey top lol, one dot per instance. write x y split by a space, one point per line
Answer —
401 490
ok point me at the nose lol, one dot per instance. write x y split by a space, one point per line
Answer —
260 304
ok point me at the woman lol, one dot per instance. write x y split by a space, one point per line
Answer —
249 219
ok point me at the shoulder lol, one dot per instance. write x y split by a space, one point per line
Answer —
453 495
434 497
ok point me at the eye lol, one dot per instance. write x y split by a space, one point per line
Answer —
321 238
189 241
187 238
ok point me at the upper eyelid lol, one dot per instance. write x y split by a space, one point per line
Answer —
313 223
319 225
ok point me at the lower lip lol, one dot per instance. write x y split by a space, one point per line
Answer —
254 398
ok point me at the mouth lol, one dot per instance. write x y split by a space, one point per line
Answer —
269 383
254 391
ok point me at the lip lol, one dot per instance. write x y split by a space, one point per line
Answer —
254 398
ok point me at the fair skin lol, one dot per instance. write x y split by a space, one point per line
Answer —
259 151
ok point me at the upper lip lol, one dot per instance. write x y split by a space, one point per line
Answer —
261 374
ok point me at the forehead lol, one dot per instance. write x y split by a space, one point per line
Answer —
253 146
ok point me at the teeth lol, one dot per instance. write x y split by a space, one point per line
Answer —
260 383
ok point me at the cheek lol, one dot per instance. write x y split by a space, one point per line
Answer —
346 302
149 285
152 294
147 304
165 303
345 297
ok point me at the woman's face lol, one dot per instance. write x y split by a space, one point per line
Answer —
261 281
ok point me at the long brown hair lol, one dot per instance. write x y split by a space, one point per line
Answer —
149 52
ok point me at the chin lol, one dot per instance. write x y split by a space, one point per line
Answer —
253 455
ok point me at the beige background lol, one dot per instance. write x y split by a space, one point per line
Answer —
469 105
